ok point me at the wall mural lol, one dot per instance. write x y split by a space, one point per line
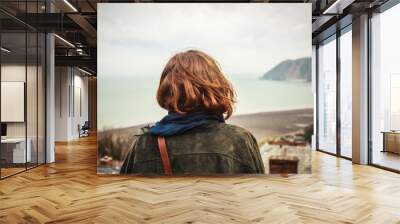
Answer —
183 66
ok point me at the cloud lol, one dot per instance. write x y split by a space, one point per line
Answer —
246 39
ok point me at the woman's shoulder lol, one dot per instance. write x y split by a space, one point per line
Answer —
233 131
216 139
235 128
143 145
223 130
236 142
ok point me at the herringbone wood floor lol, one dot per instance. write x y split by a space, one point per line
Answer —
69 191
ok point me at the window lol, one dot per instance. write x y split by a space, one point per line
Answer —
22 76
346 93
327 96
385 89
394 102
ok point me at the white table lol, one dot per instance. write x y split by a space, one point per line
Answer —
18 145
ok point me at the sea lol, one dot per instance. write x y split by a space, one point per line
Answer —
131 100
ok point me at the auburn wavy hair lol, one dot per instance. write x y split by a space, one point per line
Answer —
192 81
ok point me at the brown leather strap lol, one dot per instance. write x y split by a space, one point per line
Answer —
164 155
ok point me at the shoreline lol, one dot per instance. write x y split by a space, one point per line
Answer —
261 124
274 111
272 124
233 117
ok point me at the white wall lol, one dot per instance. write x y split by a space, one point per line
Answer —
33 126
71 102
62 82
12 73
80 110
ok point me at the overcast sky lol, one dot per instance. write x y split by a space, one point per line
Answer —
246 39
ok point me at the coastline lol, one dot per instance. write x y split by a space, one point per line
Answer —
273 123
234 119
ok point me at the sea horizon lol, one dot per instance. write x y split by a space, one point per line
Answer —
133 103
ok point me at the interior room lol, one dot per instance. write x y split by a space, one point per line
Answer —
22 103
49 99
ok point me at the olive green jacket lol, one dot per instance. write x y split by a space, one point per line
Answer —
215 148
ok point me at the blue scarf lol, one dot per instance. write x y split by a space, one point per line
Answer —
174 123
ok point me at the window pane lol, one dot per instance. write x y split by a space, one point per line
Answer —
346 94
386 89
327 97
31 97
14 150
